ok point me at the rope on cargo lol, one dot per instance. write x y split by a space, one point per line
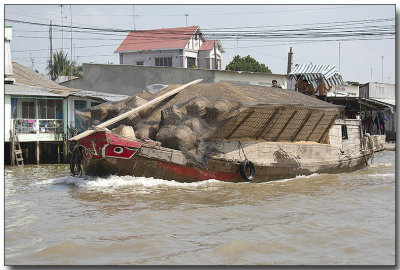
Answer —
246 164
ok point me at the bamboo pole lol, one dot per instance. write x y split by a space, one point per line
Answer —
134 110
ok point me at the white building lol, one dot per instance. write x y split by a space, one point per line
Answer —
171 47
8 78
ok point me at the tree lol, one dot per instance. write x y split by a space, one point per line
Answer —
247 63
61 66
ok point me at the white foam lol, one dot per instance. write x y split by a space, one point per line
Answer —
122 181
294 178
68 180
383 175
377 165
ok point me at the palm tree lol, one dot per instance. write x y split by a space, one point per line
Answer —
59 66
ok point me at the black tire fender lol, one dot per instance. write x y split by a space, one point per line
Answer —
247 163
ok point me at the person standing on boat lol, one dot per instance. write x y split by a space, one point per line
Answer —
299 86
275 84
321 89
307 88
303 86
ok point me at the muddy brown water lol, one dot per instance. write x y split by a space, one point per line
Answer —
340 219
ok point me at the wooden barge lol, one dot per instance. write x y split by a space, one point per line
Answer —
281 134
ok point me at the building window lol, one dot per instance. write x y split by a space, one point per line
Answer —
28 110
50 109
79 104
92 104
164 62
344 133
139 63
79 123
191 62
59 109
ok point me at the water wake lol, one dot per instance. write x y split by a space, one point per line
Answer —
115 181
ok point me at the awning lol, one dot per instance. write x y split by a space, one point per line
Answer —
329 74
379 103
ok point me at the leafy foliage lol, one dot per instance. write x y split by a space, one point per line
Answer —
247 63
61 66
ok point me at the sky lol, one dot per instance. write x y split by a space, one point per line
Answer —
358 60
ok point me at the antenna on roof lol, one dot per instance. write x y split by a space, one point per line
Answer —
186 15
134 25
32 61
62 27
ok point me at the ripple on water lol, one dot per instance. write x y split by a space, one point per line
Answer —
348 218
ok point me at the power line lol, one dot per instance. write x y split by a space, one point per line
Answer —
374 30
242 47
330 25
199 14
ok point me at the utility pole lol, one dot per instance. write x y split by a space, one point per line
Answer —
70 11
371 74
215 55
62 29
51 49
382 68
290 61
62 35
186 15
339 56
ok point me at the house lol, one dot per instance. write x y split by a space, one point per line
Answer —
38 116
381 97
184 47
372 103
40 112
369 99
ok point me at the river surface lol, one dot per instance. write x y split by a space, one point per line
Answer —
341 219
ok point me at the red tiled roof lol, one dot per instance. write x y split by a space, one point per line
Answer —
167 38
208 45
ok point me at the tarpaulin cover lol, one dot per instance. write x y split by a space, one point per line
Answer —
329 73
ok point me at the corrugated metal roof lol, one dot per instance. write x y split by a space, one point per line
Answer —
99 95
27 90
27 76
30 83
391 102
169 38
329 74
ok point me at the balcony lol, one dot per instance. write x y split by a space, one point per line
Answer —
39 127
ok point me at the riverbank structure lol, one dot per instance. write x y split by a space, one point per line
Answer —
39 116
